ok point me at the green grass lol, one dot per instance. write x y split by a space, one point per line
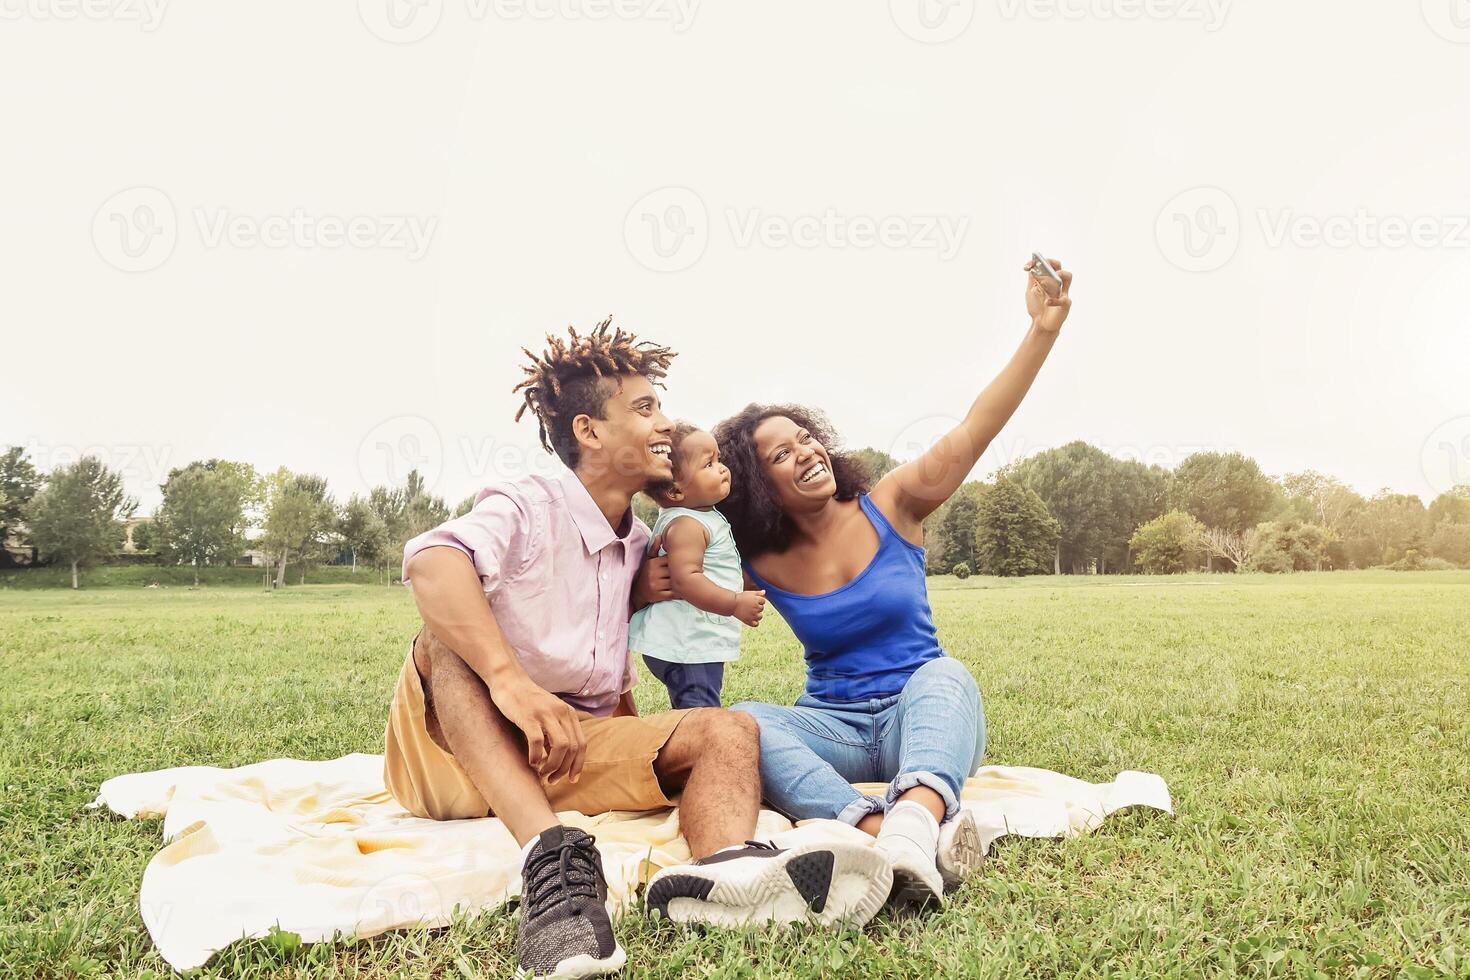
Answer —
1314 730
180 576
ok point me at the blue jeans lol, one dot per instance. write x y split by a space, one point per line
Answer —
932 733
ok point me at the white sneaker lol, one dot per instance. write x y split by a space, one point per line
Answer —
960 852
829 884
910 838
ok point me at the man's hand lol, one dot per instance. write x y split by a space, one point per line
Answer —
749 606
654 583
1046 302
555 747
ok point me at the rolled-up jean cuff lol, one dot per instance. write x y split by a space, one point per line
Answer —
908 780
859 808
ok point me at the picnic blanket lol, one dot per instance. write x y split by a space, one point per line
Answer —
321 849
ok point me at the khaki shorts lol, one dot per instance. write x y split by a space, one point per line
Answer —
617 773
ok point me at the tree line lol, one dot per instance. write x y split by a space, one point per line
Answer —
212 513
1070 510
1077 509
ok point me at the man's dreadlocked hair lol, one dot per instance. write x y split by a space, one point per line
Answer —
570 379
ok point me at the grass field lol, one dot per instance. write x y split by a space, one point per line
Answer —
1314 730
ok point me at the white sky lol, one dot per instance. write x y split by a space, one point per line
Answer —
522 139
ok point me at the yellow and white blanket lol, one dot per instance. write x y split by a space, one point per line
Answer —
320 848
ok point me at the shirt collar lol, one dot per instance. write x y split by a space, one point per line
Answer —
596 532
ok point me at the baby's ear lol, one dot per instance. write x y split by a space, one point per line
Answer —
674 492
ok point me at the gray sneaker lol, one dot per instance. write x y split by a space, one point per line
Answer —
565 930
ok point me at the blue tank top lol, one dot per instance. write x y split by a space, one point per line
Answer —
864 639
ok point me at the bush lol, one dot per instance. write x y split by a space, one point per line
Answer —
1415 562
1451 542
962 570
1290 546
1167 544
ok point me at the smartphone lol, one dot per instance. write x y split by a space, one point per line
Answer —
1041 267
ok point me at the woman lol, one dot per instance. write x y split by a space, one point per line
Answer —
845 568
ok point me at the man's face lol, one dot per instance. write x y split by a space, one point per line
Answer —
635 436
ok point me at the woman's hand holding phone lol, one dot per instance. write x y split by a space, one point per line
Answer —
1048 288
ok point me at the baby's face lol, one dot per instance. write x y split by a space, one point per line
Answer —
704 480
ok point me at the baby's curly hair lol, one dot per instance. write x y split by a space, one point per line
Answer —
570 378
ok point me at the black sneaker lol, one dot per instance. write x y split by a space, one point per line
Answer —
829 884
565 930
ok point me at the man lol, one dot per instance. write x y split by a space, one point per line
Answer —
516 697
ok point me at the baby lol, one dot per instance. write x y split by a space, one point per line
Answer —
686 642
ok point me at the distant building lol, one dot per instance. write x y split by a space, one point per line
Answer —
17 549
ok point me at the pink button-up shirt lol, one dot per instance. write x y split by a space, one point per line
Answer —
558 579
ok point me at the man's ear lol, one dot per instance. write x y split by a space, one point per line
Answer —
585 432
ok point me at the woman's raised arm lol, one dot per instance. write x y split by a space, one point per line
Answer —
914 490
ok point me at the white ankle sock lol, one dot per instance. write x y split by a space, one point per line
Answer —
912 821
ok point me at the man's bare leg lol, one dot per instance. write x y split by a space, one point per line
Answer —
714 756
463 720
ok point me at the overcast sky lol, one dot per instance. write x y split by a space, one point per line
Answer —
318 234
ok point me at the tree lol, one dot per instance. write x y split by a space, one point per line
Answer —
1453 506
1236 547
18 485
645 509
1136 495
1014 534
1222 490
468 504
877 461
78 516
144 536
955 536
422 511
299 514
1168 544
1451 542
1098 501
202 518
1388 527
1289 546
1324 500
363 533
408 511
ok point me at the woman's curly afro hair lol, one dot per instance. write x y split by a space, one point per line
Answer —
753 507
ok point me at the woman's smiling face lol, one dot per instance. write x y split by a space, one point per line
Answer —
797 465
